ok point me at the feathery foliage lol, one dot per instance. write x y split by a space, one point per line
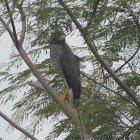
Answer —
110 113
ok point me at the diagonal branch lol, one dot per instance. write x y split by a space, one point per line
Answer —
17 126
12 22
126 62
92 47
83 134
8 29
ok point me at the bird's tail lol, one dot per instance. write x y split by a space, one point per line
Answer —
70 94
71 97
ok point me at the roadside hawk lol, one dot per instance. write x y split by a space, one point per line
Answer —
66 64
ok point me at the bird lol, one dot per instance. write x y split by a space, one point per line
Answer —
66 64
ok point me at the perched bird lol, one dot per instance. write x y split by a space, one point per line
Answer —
66 64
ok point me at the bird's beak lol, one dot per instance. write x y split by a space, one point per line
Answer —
61 37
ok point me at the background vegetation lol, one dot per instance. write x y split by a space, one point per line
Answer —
107 111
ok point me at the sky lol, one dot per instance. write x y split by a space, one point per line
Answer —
6 49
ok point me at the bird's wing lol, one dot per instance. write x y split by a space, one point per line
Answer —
71 70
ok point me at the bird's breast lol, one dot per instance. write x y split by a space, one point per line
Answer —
55 53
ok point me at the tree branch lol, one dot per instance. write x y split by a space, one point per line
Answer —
12 22
8 29
17 126
92 46
82 131
36 85
23 30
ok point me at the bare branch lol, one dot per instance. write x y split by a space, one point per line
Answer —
23 23
127 61
12 22
81 129
36 85
8 29
92 46
136 20
17 126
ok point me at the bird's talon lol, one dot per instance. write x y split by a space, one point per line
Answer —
62 97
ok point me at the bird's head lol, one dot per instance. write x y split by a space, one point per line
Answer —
57 38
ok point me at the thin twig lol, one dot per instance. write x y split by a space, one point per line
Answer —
93 94
130 130
13 25
8 29
126 62
23 23
104 102
136 19
89 78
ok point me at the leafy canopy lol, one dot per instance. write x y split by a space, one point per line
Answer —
111 112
